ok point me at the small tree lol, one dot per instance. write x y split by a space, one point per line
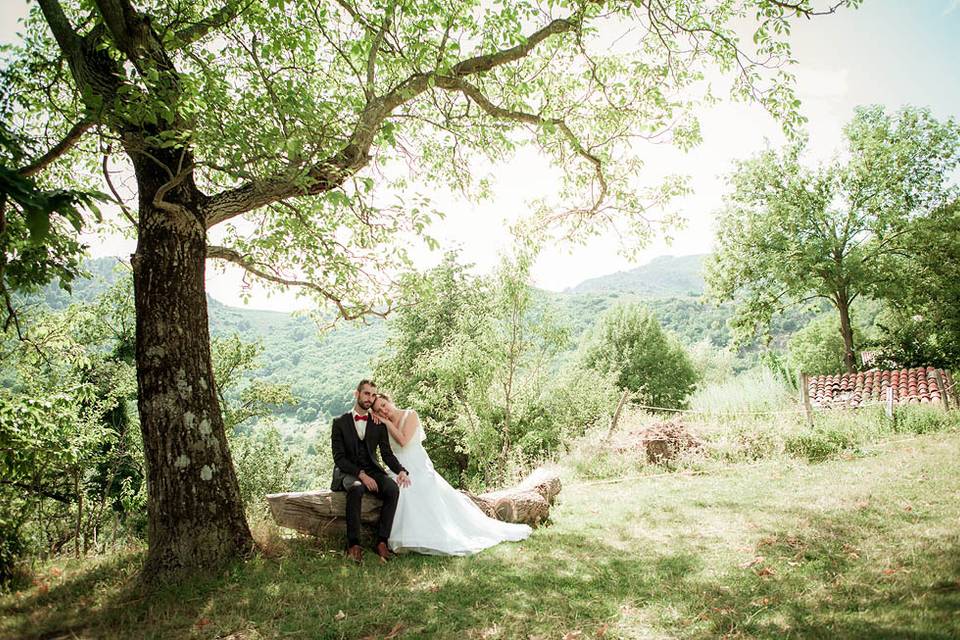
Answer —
472 355
629 341
790 234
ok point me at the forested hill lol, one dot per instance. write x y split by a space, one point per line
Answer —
664 276
323 367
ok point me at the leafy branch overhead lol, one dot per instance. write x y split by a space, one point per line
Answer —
286 115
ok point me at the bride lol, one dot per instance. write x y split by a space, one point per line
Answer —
433 517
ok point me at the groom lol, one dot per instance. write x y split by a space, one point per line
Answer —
354 437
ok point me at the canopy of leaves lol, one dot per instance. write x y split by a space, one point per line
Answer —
38 228
921 325
276 107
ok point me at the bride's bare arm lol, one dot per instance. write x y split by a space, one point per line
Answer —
409 427
392 429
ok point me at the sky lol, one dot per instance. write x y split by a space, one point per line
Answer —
888 52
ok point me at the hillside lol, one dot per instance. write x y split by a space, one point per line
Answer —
322 368
664 276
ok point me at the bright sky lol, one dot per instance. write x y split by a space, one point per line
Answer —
889 52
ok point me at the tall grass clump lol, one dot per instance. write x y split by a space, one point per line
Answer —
758 389
922 419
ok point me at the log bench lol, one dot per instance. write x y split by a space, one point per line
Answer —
321 512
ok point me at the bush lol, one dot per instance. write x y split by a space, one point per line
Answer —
818 347
261 464
819 443
12 548
578 398
758 389
921 419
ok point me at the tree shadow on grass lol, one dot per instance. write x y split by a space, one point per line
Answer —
813 583
815 586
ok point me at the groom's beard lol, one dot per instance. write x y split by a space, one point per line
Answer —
364 405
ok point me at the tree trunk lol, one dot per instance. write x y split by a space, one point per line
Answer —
195 515
846 331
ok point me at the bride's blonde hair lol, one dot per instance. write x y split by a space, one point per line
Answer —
381 396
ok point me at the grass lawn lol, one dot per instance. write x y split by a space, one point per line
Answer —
863 547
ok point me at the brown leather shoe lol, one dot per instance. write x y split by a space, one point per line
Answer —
383 551
355 553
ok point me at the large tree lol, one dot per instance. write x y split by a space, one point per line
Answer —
258 132
791 234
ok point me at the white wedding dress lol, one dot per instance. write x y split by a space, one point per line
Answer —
434 518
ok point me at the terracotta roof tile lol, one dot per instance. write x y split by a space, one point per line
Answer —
910 386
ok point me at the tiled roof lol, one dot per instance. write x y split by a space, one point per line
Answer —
910 386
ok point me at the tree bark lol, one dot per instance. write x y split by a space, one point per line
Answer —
846 331
195 514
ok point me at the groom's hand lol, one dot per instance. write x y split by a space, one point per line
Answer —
368 482
403 479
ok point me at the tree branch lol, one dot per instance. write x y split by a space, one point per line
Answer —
375 48
230 255
332 171
62 30
59 497
799 9
196 31
69 141
474 93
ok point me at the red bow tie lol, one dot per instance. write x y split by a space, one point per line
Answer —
359 417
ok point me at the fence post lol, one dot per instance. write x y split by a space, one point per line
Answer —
943 389
616 414
805 397
888 407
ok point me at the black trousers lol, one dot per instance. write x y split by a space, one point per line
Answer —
387 491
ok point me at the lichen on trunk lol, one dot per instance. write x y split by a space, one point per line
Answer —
195 515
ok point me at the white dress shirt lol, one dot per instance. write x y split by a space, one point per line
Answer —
360 425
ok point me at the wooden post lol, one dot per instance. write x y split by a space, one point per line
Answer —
943 389
888 407
951 386
805 397
616 414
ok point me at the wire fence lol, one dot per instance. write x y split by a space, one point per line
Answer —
889 403
721 469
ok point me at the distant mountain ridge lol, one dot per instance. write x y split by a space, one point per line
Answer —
662 277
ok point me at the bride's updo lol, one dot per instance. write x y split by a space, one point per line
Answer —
378 397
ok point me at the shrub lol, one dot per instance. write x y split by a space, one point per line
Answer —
261 464
923 419
818 347
819 443
757 389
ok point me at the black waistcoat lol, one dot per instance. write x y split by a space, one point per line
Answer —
365 462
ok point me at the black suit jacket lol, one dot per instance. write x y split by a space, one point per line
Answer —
346 444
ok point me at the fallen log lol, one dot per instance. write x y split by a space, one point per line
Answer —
321 512
527 503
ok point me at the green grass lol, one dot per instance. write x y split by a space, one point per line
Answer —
859 546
